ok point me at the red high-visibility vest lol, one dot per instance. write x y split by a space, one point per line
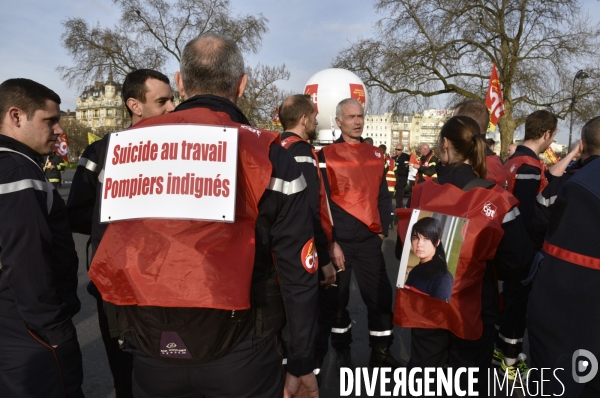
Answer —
485 210
511 168
185 263
354 172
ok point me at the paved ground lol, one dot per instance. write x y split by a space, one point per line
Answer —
97 378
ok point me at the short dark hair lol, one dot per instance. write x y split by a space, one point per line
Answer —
215 68
135 87
429 227
590 135
293 108
477 111
490 142
25 94
383 148
538 123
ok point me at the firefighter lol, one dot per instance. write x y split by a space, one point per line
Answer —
360 204
429 162
54 166
526 178
401 160
563 316
461 331
220 269
39 352
146 93
299 121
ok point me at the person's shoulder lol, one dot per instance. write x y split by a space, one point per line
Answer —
14 167
284 166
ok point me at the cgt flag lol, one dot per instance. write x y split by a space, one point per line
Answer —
413 161
550 155
494 100
276 119
62 147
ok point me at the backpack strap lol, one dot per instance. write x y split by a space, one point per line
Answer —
478 183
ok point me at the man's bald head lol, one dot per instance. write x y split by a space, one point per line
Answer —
212 64
477 111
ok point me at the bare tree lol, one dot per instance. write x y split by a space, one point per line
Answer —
262 96
425 48
152 32
149 34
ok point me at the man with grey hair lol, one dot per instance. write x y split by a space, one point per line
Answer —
217 349
429 162
360 202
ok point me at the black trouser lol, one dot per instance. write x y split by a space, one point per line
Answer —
366 260
513 321
30 367
400 196
252 369
326 313
438 347
119 361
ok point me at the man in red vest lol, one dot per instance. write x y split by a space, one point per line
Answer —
299 120
360 203
220 323
478 111
429 162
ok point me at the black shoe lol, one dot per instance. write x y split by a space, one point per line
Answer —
382 357
344 358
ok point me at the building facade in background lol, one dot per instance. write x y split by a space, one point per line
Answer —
101 105
411 130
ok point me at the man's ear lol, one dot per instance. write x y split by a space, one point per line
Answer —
337 121
134 105
15 116
179 84
242 82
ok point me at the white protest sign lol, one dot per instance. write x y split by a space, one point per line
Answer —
181 171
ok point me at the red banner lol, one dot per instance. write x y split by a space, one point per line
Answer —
413 161
311 90
357 92
494 100
62 147
550 155
276 119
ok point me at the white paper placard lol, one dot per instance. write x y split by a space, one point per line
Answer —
181 171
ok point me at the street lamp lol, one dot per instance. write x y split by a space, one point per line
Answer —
581 74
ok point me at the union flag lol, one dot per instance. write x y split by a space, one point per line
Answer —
62 147
311 90
550 155
357 92
494 99
413 161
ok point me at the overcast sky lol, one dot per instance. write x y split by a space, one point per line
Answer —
305 35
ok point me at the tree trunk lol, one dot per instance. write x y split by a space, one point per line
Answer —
507 128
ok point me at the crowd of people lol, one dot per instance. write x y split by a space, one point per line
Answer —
298 207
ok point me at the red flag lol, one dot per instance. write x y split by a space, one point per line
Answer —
494 100
62 147
311 90
550 155
276 119
413 161
357 92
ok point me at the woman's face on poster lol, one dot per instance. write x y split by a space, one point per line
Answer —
423 248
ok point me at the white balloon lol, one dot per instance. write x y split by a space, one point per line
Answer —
327 88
